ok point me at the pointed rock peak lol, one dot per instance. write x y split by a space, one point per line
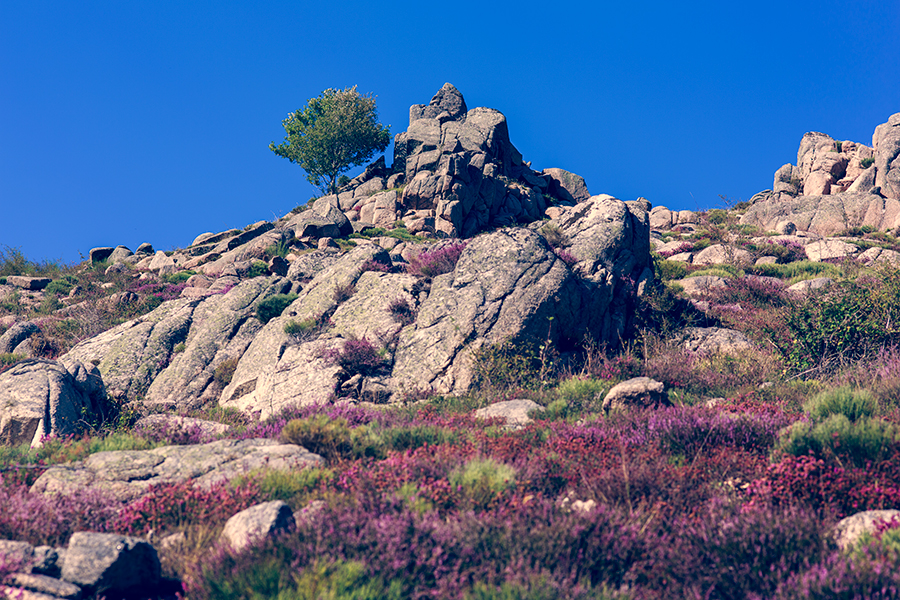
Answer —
449 99
447 105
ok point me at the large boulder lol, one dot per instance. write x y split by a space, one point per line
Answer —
15 335
257 524
510 286
128 474
41 397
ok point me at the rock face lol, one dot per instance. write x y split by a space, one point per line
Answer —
128 474
461 172
42 397
138 359
836 185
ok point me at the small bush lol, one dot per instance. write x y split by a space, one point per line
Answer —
272 307
667 270
554 236
565 256
844 400
374 265
483 481
306 329
867 162
224 371
358 355
838 437
402 311
333 439
344 292
435 262
257 269
60 287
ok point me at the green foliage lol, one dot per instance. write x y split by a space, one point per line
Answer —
867 162
854 404
726 271
272 307
61 287
293 487
305 329
281 249
854 318
336 130
554 236
837 436
179 277
576 396
507 365
667 270
224 371
331 438
797 271
7 359
179 348
257 269
482 480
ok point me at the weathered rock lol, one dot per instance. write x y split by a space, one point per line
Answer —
636 392
110 563
100 254
145 248
802 288
720 254
708 341
17 334
825 215
163 263
830 248
508 286
310 264
138 360
128 474
514 412
566 186
701 284
41 397
257 523
786 180
876 255
886 141
28 283
120 254
849 529
43 586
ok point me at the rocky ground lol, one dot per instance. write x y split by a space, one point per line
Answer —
460 377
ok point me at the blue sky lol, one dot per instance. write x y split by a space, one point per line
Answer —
126 122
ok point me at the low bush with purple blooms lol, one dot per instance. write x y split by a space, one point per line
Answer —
432 263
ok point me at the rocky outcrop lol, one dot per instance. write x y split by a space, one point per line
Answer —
459 172
835 185
127 475
110 564
42 397
138 359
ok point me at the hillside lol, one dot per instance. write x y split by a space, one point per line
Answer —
460 377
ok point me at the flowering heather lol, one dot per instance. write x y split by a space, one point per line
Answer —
565 256
358 355
377 266
432 263
52 519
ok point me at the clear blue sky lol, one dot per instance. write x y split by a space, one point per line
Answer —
126 122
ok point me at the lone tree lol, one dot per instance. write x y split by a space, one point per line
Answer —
336 130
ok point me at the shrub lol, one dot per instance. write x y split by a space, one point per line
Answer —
402 311
435 262
358 355
483 480
667 270
257 269
843 400
61 287
306 329
867 162
272 307
838 437
554 236
343 292
565 256
331 438
224 371
374 265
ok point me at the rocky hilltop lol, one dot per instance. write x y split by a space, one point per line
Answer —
520 257
427 359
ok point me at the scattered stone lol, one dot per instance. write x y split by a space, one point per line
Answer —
720 254
701 284
257 524
109 563
43 585
801 288
515 412
17 334
636 392
849 529
708 341
829 248
28 283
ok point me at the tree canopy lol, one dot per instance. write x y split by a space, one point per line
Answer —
335 131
